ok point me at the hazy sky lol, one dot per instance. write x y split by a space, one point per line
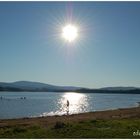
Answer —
106 52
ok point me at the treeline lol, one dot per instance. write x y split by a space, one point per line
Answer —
32 90
9 89
82 90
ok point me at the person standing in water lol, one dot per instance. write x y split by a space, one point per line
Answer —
68 107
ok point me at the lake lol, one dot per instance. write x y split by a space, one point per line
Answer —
13 104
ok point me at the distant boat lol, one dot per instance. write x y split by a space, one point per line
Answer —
22 97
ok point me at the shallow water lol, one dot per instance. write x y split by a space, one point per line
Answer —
53 103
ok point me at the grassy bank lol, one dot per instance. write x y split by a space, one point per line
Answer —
75 126
82 129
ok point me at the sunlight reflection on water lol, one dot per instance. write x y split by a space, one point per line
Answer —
77 103
54 103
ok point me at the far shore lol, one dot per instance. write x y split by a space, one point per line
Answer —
126 113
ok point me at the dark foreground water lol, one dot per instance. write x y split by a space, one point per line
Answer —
12 104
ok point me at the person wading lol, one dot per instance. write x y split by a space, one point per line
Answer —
68 107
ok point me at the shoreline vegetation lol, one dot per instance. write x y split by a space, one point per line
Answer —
119 123
82 90
28 86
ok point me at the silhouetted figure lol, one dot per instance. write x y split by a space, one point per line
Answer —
138 104
68 107
1 97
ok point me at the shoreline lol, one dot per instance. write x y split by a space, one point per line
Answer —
121 113
119 123
65 114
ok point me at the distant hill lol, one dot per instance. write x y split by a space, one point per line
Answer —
42 87
33 86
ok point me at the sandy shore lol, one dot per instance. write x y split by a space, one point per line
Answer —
50 120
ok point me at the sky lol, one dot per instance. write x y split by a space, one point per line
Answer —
105 53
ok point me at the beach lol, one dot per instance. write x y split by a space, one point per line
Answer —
131 116
105 115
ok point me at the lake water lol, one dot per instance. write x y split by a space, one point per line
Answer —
53 103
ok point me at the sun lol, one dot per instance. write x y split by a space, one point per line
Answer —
69 32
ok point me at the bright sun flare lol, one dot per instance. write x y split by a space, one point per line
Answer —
69 32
